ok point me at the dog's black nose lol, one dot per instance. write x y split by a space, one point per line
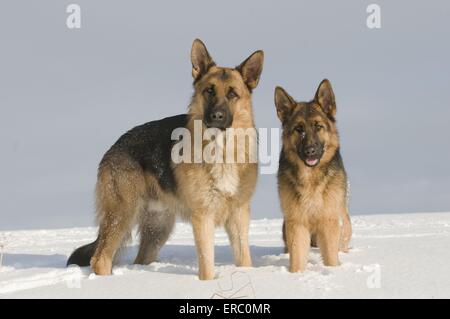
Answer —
310 151
217 116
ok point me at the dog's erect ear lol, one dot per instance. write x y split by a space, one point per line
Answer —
251 69
284 103
325 97
200 58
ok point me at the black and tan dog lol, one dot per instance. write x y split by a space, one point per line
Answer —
312 182
139 183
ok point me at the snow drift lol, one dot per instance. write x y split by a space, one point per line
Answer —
392 256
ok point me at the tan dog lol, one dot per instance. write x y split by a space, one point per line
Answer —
139 183
312 182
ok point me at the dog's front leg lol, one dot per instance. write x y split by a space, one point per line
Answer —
346 232
328 237
203 225
237 229
298 240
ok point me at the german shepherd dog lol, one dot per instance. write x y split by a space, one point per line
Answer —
312 182
139 183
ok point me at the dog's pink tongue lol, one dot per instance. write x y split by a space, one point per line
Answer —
312 162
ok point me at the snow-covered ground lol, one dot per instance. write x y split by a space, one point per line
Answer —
392 256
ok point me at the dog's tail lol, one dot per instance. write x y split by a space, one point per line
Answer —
82 255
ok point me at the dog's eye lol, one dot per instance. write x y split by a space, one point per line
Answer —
210 91
301 130
318 127
232 95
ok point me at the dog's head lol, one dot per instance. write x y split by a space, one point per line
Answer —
309 128
222 96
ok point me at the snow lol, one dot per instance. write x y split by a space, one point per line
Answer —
392 256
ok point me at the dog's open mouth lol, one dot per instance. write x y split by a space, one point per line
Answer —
311 161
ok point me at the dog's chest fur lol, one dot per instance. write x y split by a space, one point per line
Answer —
225 178
310 191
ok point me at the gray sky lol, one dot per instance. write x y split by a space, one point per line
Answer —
67 95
